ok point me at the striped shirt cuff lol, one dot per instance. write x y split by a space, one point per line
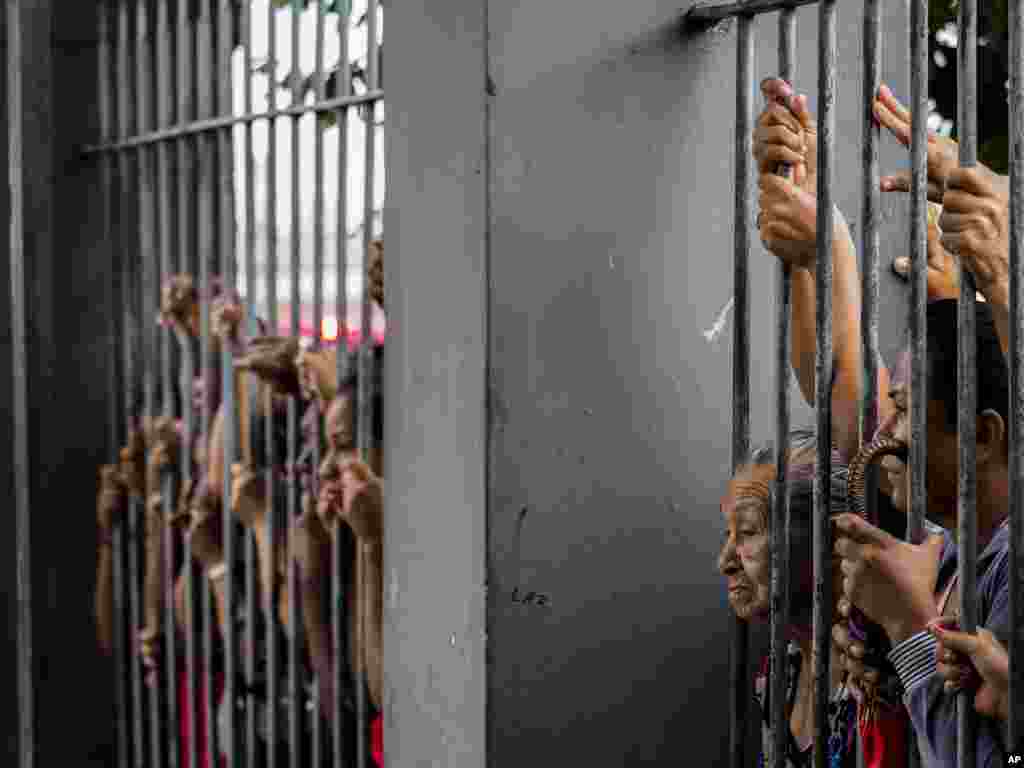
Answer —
914 659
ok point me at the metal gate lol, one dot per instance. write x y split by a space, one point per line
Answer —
177 92
745 14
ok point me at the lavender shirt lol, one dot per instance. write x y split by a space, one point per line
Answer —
932 710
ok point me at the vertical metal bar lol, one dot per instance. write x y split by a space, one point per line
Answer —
164 209
130 335
185 246
273 512
780 526
738 693
226 247
823 380
105 78
967 524
19 361
367 377
252 607
318 299
296 713
207 245
339 623
918 274
1016 719
147 328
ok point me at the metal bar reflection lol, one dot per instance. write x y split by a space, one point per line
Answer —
780 524
823 380
967 125
738 693
1016 350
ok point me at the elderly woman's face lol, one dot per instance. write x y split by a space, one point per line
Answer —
745 559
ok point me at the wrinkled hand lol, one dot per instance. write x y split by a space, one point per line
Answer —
133 463
110 500
272 359
943 277
310 542
942 152
318 376
786 133
975 225
206 533
852 655
975 662
891 581
788 221
248 495
225 317
362 500
179 304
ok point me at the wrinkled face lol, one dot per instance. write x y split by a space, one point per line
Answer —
943 456
745 559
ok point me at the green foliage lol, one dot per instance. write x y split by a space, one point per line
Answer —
995 153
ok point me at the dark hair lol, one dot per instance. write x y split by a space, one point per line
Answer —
993 377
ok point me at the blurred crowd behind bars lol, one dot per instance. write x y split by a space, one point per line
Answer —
179 147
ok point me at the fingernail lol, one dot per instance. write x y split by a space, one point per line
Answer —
901 265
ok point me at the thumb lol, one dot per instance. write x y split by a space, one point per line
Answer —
895 182
798 105
961 642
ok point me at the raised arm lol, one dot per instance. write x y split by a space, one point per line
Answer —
786 133
109 513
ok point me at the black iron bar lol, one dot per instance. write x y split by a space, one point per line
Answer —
19 362
823 380
339 623
226 248
295 677
207 247
105 78
185 243
967 524
164 213
273 511
1016 350
252 608
216 123
706 13
367 377
738 693
780 526
130 332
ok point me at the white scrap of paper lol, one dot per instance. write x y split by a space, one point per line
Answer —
716 329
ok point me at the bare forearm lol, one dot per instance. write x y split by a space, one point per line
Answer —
373 618
318 637
154 578
104 605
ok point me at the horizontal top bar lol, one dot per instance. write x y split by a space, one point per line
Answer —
704 13
214 123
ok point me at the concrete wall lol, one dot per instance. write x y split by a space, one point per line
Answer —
596 259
